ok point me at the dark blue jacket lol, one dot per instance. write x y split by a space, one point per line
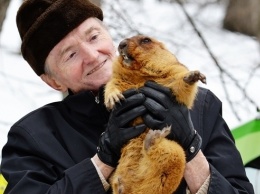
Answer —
49 150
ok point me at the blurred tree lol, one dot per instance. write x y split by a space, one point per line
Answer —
243 16
96 2
3 9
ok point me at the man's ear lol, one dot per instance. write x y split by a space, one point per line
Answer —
53 83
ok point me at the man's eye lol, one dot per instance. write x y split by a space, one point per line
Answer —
70 56
94 37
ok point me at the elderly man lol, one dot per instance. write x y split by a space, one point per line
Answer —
54 148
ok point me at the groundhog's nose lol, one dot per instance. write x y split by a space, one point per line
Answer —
122 44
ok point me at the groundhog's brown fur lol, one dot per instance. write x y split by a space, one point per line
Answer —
149 163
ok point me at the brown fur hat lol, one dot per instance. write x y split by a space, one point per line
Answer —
44 23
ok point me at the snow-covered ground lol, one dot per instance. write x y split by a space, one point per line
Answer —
22 91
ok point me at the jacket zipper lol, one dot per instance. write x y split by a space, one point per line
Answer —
96 97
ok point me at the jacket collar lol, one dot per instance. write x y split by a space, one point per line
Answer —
85 108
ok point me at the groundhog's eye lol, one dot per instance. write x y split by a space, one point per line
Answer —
145 40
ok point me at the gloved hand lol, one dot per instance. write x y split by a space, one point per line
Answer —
118 131
163 110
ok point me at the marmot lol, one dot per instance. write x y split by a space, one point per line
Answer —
149 163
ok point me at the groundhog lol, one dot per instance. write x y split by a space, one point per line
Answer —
149 163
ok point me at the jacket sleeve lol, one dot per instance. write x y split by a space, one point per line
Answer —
31 166
227 170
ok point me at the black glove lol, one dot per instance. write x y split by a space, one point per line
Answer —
118 131
163 110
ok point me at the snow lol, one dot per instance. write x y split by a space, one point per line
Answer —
23 91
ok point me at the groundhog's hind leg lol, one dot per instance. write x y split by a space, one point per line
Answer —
118 187
152 135
162 165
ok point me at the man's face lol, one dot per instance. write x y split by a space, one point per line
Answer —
83 59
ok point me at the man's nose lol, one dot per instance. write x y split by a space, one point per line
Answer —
89 53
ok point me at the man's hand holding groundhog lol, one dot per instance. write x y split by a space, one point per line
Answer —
118 131
164 110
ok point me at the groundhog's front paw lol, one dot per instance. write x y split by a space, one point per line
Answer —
152 135
194 76
112 97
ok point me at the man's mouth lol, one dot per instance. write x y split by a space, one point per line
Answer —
96 68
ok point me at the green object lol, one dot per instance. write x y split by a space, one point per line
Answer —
247 137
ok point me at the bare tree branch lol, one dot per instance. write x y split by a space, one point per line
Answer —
221 69
4 4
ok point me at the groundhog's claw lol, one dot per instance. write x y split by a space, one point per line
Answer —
120 186
112 98
195 76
